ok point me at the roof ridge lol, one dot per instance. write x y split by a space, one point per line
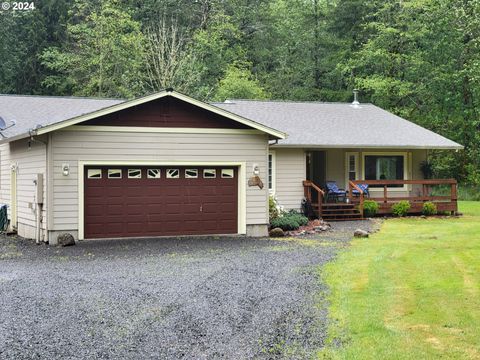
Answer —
232 101
62 97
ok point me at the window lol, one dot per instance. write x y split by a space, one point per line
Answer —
191 173
94 173
173 173
134 173
114 173
227 173
351 167
385 167
209 173
271 171
153 173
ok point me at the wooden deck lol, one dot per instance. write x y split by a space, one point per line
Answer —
352 208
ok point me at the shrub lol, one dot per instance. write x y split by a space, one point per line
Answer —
401 208
370 208
274 210
289 221
429 208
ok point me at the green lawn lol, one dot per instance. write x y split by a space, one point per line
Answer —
410 291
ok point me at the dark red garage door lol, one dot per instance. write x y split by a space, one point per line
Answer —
137 201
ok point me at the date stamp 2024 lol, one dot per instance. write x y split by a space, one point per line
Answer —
18 6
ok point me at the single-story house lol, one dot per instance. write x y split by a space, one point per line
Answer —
167 165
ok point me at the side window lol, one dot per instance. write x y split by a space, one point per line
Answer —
114 173
173 173
134 173
227 173
209 173
153 173
191 173
94 173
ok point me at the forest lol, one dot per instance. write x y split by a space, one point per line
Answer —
419 59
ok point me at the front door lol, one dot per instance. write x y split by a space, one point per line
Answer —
316 169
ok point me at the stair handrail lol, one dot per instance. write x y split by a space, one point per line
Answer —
352 186
308 186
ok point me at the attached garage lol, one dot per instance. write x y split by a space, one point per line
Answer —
160 165
141 201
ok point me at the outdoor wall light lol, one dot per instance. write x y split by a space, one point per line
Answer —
256 170
65 169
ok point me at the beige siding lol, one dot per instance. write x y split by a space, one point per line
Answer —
30 162
74 146
290 171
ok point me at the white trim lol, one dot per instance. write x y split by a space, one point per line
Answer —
406 167
347 166
274 170
242 193
367 146
13 197
159 95
172 130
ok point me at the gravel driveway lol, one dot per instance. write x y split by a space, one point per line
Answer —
176 298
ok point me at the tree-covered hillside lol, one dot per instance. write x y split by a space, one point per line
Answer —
417 58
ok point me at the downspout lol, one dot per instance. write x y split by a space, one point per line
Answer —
39 191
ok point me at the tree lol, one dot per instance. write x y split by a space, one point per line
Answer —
239 83
169 59
103 56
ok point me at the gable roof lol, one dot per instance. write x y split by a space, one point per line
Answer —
338 125
42 114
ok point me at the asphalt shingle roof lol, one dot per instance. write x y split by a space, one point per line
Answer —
29 112
337 124
313 124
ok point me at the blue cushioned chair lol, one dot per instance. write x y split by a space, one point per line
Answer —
364 188
334 193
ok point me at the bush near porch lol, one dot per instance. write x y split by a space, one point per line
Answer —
410 291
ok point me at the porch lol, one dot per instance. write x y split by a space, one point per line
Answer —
385 193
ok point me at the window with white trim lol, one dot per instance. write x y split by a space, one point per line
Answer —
227 173
271 171
153 173
94 173
209 173
134 173
114 173
385 166
173 173
191 173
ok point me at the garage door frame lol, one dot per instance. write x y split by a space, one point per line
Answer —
242 196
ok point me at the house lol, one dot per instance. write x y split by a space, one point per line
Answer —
168 165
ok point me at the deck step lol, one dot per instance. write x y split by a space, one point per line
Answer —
338 211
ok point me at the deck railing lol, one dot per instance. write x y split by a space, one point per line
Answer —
308 186
361 195
385 200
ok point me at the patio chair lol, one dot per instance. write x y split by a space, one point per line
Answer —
364 188
334 193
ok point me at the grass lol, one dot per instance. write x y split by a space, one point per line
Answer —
410 291
464 192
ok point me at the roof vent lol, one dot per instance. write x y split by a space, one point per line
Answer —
355 102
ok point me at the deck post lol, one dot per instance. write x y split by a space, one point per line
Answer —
453 197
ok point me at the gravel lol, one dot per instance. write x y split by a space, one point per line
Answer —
175 298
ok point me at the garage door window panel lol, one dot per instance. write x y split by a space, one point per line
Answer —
209 173
114 173
227 173
134 173
153 173
173 173
94 173
191 173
